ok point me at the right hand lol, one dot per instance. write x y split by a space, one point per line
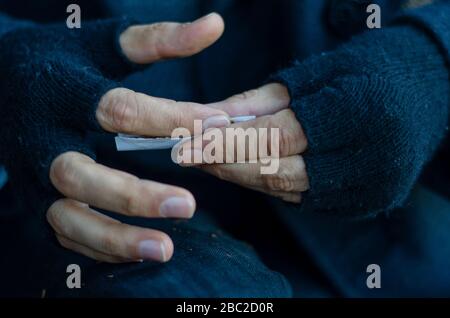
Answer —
53 100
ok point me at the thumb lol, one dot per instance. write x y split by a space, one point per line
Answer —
143 44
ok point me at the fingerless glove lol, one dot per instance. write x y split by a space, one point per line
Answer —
51 80
374 111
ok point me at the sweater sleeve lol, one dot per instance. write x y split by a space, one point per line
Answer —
8 24
51 81
433 19
374 112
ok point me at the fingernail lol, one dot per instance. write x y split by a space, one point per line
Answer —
152 250
176 207
216 122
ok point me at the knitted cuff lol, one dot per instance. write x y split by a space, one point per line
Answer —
52 81
354 143
100 41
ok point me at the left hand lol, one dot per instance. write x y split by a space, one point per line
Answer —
270 104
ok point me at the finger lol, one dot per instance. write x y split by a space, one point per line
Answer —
289 177
149 43
274 136
285 196
288 197
88 252
125 111
265 100
78 177
98 232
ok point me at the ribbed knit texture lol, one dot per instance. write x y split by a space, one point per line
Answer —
52 79
374 111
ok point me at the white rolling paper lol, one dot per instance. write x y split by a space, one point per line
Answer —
134 143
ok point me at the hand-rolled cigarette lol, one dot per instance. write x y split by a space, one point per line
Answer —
241 119
132 143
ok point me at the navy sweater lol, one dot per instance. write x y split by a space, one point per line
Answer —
374 109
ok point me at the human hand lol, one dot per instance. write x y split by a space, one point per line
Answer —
54 79
270 104
369 117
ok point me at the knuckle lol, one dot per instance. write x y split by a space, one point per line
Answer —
289 137
120 110
155 27
244 96
177 119
63 172
286 141
185 41
108 242
132 199
155 32
63 242
220 173
55 215
278 182
131 204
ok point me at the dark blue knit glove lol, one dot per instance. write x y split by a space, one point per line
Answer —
374 111
56 86
51 79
